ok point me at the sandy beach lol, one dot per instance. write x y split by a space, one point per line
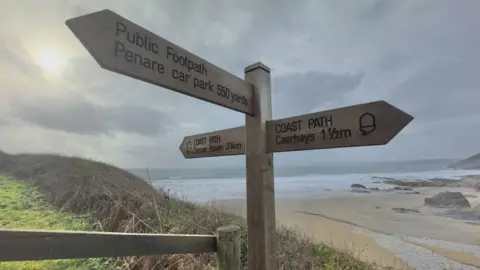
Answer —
366 225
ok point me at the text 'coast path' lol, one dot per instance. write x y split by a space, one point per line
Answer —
374 123
124 47
227 142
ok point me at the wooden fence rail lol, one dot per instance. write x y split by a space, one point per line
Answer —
26 245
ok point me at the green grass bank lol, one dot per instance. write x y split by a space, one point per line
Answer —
23 207
55 192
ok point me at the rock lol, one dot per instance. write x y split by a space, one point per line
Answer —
405 210
377 207
407 188
477 186
462 214
358 186
374 189
413 192
397 188
448 199
376 182
360 191
470 196
436 182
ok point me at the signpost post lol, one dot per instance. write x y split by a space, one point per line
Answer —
124 47
260 185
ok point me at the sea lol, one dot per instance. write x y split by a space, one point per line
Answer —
203 185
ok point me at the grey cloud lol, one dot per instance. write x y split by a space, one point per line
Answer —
395 61
4 122
418 55
14 54
299 93
117 90
378 10
443 90
405 50
75 115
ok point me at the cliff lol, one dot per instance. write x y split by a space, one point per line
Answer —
471 163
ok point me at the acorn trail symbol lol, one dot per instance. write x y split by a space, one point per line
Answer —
189 146
367 123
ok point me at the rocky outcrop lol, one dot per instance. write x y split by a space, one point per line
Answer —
470 214
448 199
358 186
470 163
477 186
436 182
360 190
402 188
405 210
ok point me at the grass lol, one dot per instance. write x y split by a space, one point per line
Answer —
332 259
121 202
23 207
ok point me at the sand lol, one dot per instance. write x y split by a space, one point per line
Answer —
366 226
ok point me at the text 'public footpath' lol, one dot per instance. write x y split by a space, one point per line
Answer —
170 54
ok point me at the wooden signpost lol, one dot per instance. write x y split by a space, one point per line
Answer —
124 47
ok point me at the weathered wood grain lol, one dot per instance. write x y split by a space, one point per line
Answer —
41 245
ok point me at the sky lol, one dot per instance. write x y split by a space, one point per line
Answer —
421 56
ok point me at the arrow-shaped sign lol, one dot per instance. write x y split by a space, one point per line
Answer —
124 47
227 142
374 123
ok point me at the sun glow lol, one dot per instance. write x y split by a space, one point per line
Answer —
51 61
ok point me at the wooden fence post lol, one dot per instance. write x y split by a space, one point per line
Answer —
228 247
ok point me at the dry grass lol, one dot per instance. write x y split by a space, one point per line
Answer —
122 202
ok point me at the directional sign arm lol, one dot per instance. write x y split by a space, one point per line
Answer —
124 47
226 142
374 123
368 124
